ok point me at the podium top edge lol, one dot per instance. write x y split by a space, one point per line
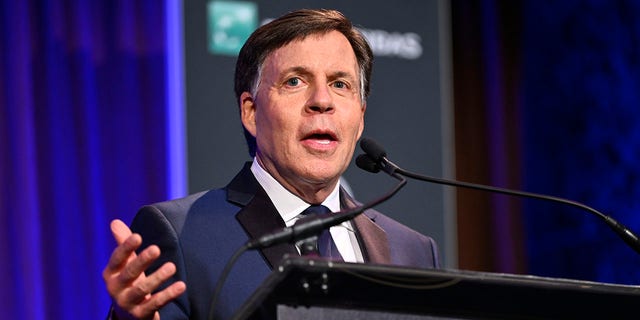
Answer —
289 263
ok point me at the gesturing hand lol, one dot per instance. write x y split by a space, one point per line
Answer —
126 282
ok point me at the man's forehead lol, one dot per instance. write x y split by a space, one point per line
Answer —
306 53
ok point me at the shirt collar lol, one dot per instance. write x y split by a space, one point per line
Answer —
289 205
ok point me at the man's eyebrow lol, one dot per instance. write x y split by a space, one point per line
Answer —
304 70
342 74
295 69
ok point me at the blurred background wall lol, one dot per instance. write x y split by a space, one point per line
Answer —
109 105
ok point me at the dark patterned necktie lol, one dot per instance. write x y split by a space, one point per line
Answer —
326 245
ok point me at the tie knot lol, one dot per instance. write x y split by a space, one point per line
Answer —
317 209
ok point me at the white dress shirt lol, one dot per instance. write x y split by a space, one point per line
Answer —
289 207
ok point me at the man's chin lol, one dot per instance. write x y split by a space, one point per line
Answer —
322 170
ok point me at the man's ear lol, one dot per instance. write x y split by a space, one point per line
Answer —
248 112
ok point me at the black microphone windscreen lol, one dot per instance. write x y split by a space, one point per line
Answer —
365 162
373 149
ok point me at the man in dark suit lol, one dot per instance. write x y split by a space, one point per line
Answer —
301 83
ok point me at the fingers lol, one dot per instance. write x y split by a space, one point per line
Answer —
148 308
127 244
125 251
120 230
138 300
121 272
126 281
125 266
165 296
135 267
143 287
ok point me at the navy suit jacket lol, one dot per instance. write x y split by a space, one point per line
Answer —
201 232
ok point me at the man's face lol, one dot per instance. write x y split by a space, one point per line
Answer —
307 114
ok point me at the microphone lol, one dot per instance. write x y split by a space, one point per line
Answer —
376 159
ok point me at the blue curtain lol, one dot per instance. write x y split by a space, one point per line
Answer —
90 129
553 88
581 94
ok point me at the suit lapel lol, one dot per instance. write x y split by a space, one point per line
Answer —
374 241
258 215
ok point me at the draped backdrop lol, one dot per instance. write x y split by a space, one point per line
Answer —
581 132
90 129
548 100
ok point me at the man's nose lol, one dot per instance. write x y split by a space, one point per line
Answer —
320 100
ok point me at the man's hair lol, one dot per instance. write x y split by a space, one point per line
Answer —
296 25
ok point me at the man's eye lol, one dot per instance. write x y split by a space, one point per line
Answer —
293 82
340 85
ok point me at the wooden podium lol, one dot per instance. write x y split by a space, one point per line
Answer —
305 288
